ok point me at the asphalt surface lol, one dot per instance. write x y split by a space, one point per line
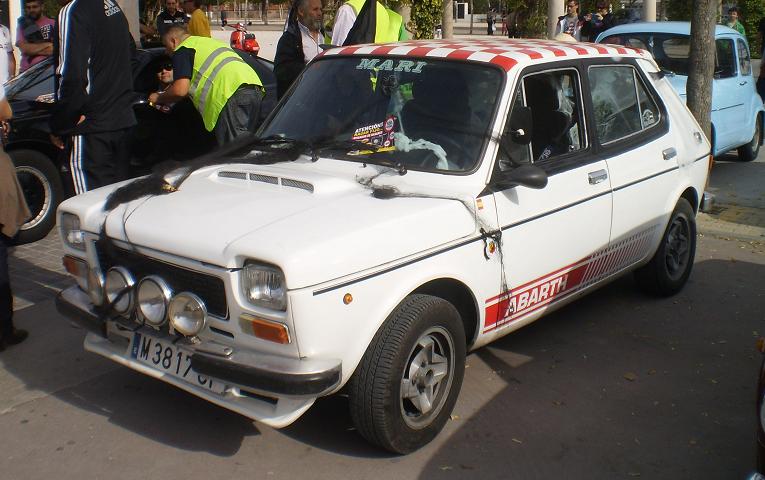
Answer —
616 385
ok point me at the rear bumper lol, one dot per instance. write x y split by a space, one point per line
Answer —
265 374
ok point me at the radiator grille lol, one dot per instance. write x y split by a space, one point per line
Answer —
209 288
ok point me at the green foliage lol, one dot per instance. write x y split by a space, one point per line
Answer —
679 10
751 13
426 14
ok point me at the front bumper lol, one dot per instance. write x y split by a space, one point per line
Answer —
265 374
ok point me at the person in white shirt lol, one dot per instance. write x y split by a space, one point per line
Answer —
299 43
8 61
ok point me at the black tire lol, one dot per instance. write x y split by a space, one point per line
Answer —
420 330
43 191
672 263
748 152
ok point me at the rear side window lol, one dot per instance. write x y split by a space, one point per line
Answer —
621 103
725 60
744 62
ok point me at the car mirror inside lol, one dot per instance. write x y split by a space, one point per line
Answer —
529 176
520 128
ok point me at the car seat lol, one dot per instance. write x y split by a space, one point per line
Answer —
549 123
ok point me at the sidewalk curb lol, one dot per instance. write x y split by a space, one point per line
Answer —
708 225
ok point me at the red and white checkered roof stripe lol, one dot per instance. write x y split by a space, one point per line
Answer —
507 53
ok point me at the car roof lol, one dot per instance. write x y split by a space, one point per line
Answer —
682 28
506 52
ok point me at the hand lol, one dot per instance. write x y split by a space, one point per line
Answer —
588 17
57 141
153 97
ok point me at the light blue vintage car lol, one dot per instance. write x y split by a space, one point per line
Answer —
737 109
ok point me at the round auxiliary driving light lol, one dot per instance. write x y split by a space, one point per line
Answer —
153 298
119 282
96 287
187 314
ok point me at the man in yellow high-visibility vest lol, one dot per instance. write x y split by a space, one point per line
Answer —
388 25
224 89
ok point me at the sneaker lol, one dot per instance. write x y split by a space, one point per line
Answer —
14 338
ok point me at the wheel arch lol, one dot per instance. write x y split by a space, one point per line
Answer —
461 296
46 149
692 196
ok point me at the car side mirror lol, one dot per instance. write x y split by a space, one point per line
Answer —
529 176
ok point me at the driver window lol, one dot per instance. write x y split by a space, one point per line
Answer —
554 100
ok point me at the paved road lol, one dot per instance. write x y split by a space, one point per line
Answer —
618 385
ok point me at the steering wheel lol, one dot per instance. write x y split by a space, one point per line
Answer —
456 152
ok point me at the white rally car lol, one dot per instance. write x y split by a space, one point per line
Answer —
403 205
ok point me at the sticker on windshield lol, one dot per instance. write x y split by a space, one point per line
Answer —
378 134
408 66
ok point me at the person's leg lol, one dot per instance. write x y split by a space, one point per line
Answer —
6 298
105 157
239 116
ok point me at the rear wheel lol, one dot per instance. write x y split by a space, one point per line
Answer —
43 191
405 387
749 152
671 265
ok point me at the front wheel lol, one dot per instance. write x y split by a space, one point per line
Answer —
407 383
749 152
41 183
671 265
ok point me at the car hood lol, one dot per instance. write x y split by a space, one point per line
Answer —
317 225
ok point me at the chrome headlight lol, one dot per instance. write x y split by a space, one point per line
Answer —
96 286
187 313
153 298
117 281
264 286
70 231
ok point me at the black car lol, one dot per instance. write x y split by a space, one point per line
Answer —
43 171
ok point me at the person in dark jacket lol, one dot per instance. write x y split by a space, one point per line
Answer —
299 43
93 109
598 22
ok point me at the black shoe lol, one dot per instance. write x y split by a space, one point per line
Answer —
14 338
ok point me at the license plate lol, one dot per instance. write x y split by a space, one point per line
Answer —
164 356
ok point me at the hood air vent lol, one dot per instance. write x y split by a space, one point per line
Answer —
258 177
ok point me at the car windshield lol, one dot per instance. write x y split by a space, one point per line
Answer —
34 84
671 51
418 114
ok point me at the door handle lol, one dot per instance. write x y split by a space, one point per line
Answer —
669 153
743 83
597 176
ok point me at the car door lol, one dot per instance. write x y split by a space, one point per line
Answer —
728 105
746 90
549 237
631 130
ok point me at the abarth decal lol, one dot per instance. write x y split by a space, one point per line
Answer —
523 300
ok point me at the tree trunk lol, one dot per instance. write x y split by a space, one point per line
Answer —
265 12
471 17
447 22
702 63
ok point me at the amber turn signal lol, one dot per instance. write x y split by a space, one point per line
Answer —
265 329
347 298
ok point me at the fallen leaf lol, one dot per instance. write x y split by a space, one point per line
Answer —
633 474
630 376
454 417
517 441
445 467
652 372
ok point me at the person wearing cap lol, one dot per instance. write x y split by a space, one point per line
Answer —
299 43
224 89
13 213
388 25
170 16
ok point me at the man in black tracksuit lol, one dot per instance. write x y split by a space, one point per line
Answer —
94 91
